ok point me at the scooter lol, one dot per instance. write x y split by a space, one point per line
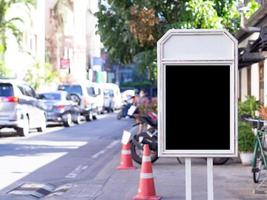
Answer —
144 132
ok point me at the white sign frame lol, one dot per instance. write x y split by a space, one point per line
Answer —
182 47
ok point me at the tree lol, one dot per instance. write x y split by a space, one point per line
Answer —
4 71
130 29
9 25
38 76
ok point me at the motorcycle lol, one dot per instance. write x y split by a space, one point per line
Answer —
144 131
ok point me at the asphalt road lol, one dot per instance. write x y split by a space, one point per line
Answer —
80 163
60 155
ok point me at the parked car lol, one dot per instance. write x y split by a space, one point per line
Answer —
112 97
20 107
85 98
98 94
60 108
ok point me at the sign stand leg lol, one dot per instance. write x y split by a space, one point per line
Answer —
210 178
188 186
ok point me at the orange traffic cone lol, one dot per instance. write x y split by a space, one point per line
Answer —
126 157
146 190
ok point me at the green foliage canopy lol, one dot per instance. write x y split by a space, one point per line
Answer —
248 107
37 75
9 25
130 28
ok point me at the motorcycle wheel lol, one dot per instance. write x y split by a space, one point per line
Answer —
219 161
137 154
119 115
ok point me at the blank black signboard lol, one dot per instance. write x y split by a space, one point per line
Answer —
197 107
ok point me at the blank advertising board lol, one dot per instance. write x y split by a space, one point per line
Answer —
197 94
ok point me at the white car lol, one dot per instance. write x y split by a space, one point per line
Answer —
112 96
20 108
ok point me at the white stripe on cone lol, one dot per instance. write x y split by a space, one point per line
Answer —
146 175
125 152
146 159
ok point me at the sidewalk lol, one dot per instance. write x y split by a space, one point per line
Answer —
232 181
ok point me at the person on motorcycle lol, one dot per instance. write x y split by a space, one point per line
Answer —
130 101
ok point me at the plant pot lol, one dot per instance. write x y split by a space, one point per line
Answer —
246 158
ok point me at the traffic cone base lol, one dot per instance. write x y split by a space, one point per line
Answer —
123 167
126 158
137 197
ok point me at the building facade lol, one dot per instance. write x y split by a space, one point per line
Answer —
59 32
252 53
20 58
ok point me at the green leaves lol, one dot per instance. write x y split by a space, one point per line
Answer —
4 71
252 6
10 25
202 14
246 137
38 75
115 33
248 107
131 28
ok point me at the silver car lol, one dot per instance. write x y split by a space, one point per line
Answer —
20 108
60 109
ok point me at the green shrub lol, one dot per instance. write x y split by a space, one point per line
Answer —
246 137
248 107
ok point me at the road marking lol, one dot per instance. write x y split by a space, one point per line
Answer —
98 154
77 171
111 145
13 167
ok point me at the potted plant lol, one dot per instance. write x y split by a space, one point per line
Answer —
246 140
249 111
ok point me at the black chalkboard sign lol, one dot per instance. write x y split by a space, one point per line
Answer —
197 105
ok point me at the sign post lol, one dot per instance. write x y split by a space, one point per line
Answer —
197 96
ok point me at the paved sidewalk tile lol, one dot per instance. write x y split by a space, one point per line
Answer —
232 181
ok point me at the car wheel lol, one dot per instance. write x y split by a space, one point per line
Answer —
42 128
89 116
25 130
78 118
67 120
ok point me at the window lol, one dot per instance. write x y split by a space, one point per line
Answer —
91 91
27 90
50 96
77 89
6 90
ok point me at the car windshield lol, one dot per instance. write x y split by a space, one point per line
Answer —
50 96
71 89
6 90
